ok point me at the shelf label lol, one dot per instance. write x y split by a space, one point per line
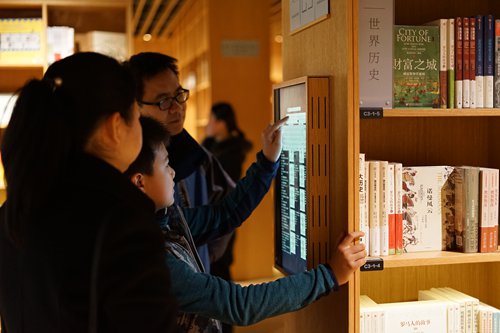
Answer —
371 113
373 264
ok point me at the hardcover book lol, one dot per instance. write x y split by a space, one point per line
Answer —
416 66
422 193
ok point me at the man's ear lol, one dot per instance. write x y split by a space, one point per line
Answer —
138 180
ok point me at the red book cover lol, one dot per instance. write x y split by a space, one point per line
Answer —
466 63
472 61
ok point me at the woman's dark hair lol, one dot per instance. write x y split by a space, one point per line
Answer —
224 112
154 134
52 119
146 65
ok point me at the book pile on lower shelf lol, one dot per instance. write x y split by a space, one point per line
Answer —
427 208
437 310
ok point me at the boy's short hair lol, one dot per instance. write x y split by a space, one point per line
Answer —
154 134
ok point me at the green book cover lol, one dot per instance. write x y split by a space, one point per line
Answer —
416 66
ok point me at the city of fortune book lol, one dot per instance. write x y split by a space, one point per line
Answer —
416 66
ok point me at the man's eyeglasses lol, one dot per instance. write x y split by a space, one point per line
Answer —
166 103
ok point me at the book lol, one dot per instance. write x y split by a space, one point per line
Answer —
448 213
466 63
453 310
398 207
417 316
60 43
461 303
416 66
363 218
443 56
489 59
484 210
384 208
472 61
450 62
493 209
479 61
496 97
391 209
422 193
466 209
459 69
373 315
471 306
375 204
21 41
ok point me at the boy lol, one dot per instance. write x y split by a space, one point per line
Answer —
204 299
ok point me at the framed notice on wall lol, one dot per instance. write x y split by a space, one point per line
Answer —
304 13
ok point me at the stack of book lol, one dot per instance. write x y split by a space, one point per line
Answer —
427 208
437 310
448 63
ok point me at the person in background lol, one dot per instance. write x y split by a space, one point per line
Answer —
200 179
205 300
228 144
79 247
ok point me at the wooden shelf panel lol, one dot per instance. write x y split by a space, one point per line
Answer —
441 113
438 258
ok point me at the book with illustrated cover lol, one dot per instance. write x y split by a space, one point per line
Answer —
443 56
422 193
21 41
416 66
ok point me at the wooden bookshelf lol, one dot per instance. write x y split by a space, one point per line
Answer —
414 113
438 258
410 136
83 15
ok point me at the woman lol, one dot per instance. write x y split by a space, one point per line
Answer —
79 249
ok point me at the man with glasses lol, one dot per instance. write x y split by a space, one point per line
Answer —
199 177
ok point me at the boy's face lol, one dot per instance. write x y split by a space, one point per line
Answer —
159 186
164 85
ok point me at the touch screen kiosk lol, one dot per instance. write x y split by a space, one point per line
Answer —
302 187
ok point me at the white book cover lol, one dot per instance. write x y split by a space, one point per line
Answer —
453 314
384 208
461 305
363 218
419 316
422 225
471 305
60 43
374 201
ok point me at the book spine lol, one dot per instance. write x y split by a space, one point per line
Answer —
466 63
363 225
384 208
484 212
450 62
443 73
392 208
458 63
496 99
367 206
374 201
458 180
479 62
472 60
471 225
489 54
494 187
398 200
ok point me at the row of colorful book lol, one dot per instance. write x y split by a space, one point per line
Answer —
449 63
427 208
437 310
21 42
